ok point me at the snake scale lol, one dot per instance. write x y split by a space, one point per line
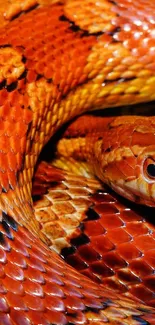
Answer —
59 59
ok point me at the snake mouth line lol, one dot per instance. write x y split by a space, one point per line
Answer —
134 197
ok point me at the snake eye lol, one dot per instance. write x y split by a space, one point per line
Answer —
151 170
149 167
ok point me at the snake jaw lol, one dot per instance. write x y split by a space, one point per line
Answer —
135 193
122 191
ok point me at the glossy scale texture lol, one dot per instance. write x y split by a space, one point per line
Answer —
107 239
55 65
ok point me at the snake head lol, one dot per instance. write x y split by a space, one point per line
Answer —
127 162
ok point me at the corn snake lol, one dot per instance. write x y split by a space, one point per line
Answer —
36 98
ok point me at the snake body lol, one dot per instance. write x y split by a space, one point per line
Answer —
55 65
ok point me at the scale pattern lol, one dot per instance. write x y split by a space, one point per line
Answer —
108 240
37 287
53 68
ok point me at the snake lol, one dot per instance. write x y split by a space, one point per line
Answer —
60 59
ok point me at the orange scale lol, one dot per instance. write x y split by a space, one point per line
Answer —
150 258
62 84
88 273
4 162
150 283
99 268
94 228
80 318
34 303
13 286
132 43
14 97
115 285
55 317
122 36
82 79
2 274
102 244
72 291
113 260
4 144
2 127
39 67
73 279
18 317
36 253
4 307
19 159
5 108
76 260
19 129
17 259
34 263
56 265
119 236
27 115
145 243
40 54
53 278
52 289
107 209
141 268
107 224
44 250
31 76
23 99
130 216
14 30
28 236
56 77
103 197
16 112
48 73
140 51
5 244
14 145
129 251
131 161
128 277
26 33
55 303
33 288
3 258
5 319
65 90
21 243
4 183
30 64
137 228
147 43
74 303
8 128
141 291
151 66
14 271
146 60
35 317
34 275
93 303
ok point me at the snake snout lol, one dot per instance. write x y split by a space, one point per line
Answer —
131 173
139 187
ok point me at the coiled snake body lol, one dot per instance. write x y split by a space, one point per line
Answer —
57 61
